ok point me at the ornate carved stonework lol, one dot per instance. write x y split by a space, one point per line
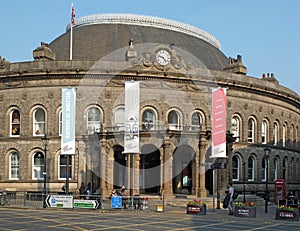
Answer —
150 59
3 63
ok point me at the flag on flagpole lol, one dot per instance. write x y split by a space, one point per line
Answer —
73 16
71 31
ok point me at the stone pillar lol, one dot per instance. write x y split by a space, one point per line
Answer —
202 150
196 175
136 174
167 190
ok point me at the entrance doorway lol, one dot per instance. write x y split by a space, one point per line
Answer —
120 173
150 170
183 170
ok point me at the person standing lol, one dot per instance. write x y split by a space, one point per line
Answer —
189 185
231 200
82 191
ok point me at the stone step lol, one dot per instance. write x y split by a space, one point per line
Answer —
183 200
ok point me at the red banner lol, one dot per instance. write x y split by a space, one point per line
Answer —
218 123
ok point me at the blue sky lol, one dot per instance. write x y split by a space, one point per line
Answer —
265 32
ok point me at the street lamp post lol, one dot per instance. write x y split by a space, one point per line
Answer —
267 151
45 141
244 177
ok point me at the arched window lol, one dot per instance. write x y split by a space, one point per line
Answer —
65 163
251 131
235 168
275 133
60 124
93 120
14 166
292 136
264 165
15 124
251 169
235 128
173 120
196 121
284 169
119 119
284 131
276 169
38 166
264 130
39 122
148 120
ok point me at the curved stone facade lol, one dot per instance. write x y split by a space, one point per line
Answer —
175 115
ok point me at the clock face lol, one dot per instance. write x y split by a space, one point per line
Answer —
163 57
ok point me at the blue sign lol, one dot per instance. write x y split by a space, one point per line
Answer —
116 202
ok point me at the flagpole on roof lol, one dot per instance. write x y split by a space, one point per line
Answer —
71 31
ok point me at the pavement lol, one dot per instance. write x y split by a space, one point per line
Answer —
172 218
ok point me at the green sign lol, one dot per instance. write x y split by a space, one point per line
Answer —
90 204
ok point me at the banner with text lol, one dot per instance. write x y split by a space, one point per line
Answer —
68 121
132 109
218 123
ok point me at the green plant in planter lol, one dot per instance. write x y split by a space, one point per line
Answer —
196 202
287 208
244 204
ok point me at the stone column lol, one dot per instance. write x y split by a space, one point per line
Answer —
167 190
202 150
136 174
196 175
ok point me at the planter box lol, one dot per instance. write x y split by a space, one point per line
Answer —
286 214
243 211
196 209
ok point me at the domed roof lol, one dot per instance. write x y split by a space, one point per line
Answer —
96 36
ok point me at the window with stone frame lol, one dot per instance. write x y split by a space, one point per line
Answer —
148 120
251 130
15 123
39 117
119 118
38 166
264 132
14 166
276 169
93 120
235 168
284 135
235 128
196 121
173 120
264 172
65 167
275 134
251 168
60 124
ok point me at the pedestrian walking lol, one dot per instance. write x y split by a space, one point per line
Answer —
231 200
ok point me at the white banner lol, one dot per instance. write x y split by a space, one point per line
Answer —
68 121
132 109
218 123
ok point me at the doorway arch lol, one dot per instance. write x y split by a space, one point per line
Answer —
183 157
120 166
149 170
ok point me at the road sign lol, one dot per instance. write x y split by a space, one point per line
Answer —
116 202
89 204
59 201
218 166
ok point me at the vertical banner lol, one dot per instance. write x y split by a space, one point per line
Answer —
132 109
68 121
218 123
